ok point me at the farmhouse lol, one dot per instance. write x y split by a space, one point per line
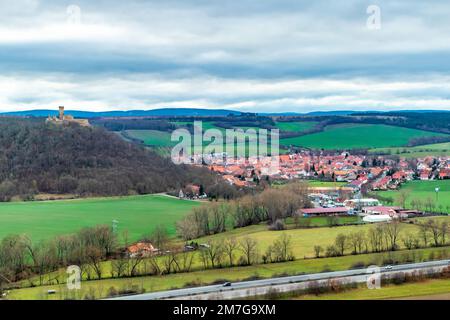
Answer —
393 212
141 249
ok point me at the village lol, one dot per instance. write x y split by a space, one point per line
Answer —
348 179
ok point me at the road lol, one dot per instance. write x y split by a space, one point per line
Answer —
284 284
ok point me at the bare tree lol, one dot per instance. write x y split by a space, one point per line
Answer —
435 230
214 251
424 232
249 248
376 235
94 257
119 267
444 231
282 248
159 237
403 196
230 247
187 229
341 243
392 231
317 251
218 213
186 259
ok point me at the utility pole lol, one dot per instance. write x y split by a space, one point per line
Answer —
114 225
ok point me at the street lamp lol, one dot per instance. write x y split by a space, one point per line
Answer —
437 193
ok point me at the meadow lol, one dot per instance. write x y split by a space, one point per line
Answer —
424 289
424 190
303 240
153 138
297 126
436 150
350 136
139 215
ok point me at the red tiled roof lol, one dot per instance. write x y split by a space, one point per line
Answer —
324 210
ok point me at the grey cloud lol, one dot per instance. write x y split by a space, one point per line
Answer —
243 41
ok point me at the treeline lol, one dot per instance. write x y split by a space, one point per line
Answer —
272 206
98 255
387 237
20 258
427 140
118 124
44 158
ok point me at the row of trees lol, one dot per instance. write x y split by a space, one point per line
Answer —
20 258
272 206
387 237
91 247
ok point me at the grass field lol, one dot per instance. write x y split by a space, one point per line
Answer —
409 290
137 214
161 141
423 190
437 149
325 184
152 137
99 288
303 240
349 136
295 126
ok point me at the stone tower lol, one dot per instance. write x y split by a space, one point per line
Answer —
61 113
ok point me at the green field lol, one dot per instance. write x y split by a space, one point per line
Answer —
409 290
349 136
424 190
325 184
295 126
436 149
152 137
160 141
303 240
137 214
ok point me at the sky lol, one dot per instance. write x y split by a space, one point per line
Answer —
248 55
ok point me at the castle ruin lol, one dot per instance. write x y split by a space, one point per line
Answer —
66 119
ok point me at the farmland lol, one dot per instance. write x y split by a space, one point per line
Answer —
423 190
152 137
436 149
138 214
422 290
303 240
296 126
350 136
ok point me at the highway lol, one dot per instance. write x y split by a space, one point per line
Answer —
283 284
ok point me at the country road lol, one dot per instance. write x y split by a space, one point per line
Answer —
284 284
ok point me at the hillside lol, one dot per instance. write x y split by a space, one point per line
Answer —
348 136
39 158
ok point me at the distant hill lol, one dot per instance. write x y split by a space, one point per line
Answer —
189 112
43 158
130 113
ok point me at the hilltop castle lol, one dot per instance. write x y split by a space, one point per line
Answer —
66 119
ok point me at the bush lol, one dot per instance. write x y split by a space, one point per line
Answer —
112 292
358 265
278 225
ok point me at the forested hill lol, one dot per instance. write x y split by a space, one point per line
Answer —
44 158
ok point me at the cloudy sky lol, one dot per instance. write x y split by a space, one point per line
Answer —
250 55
